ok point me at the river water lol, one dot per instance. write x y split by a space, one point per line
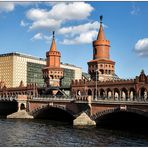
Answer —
53 133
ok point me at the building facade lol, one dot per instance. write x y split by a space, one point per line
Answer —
17 67
13 68
124 90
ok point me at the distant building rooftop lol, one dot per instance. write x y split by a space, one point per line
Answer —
69 65
22 55
32 57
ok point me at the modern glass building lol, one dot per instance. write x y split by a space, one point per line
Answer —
17 67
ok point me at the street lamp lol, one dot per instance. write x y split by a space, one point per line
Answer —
96 84
35 75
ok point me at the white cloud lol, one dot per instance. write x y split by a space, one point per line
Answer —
141 47
71 11
79 29
41 36
135 9
38 36
7 6
80 34
10 6
83 38
37 14
55 17
23 24
50 24
58 14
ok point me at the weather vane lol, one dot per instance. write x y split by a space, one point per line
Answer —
53 33
101 17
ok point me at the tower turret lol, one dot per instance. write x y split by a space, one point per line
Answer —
101 63
101 45
52 73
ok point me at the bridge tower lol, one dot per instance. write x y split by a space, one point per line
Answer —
101 67
52 73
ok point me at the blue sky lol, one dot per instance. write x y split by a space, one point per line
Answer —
27 28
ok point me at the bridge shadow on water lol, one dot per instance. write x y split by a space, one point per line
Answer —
55 114
7 107
124 121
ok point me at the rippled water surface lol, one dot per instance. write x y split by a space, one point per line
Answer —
52 133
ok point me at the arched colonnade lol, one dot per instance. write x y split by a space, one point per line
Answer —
116 94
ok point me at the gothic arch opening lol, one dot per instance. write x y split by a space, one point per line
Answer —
124 94
109 93
102 93
116 94
89 92
132 94
96 94
78 92
101 71
22 106
143 93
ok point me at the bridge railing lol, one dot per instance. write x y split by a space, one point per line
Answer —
40 98
8 98
105 99
121 101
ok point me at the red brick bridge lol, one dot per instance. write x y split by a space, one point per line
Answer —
70 108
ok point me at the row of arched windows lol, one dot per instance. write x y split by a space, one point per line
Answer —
116 94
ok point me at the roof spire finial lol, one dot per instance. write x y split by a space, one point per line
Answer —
101 17
53 34
101 35
53 44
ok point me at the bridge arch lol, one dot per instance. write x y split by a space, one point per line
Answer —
117 109
121 116
53 112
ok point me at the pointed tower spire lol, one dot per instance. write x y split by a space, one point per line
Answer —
101 35
101 62
53 73
53 44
